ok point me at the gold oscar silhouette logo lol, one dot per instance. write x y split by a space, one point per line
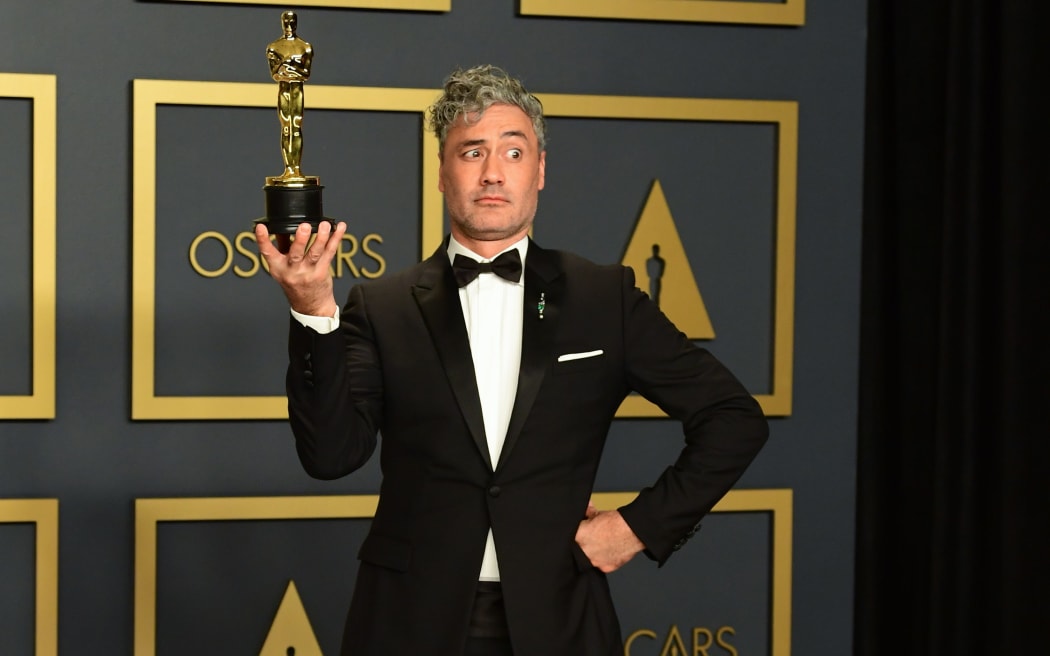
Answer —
291 633
662 268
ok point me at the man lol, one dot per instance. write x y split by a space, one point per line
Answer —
494 397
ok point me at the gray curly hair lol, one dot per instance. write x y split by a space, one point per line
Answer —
471 91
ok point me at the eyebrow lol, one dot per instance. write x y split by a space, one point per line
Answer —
470 143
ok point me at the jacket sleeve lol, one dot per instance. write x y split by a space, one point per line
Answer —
334 386
724 427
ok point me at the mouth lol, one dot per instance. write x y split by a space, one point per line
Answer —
491 200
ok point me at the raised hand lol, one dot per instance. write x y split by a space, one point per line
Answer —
302 268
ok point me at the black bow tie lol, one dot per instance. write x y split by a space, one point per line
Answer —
506 266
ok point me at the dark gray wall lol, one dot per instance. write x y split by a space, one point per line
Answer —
219 583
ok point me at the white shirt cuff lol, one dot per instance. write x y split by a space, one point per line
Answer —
322 325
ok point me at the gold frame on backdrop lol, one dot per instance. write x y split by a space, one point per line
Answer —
41 90
405 5
788 12
149 513
779 503
148 94
783 115
43 513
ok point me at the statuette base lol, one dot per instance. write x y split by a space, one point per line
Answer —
289 205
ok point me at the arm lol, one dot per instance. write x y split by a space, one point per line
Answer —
723 426
333 381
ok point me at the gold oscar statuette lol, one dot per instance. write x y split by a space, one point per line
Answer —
291 198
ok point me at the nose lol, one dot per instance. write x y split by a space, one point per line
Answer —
491 172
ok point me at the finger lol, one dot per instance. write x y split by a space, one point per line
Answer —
319 244
262 240
300 241
331 247
592 510
582 534
265 243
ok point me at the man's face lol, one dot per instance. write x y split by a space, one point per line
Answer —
491 174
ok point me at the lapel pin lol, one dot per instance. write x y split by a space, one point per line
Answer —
541 305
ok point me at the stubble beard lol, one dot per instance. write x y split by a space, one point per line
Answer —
480 228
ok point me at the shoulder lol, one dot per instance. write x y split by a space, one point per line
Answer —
576 267
568 261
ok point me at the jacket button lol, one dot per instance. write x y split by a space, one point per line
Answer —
494 491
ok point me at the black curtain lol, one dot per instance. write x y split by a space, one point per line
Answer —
952 504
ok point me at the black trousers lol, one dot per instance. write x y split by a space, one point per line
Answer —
488 647
488 634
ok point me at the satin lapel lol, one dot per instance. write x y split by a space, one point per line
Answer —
543 279
438 298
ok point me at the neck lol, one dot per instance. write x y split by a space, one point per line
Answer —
488 249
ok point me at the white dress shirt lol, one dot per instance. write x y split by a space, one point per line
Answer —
492 310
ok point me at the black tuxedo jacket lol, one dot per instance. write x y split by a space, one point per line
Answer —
401 365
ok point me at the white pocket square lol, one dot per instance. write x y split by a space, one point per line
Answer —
579 356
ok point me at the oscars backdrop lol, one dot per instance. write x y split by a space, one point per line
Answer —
151 501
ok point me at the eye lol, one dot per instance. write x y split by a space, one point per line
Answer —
514 153
472 154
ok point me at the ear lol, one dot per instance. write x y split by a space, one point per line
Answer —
543 169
